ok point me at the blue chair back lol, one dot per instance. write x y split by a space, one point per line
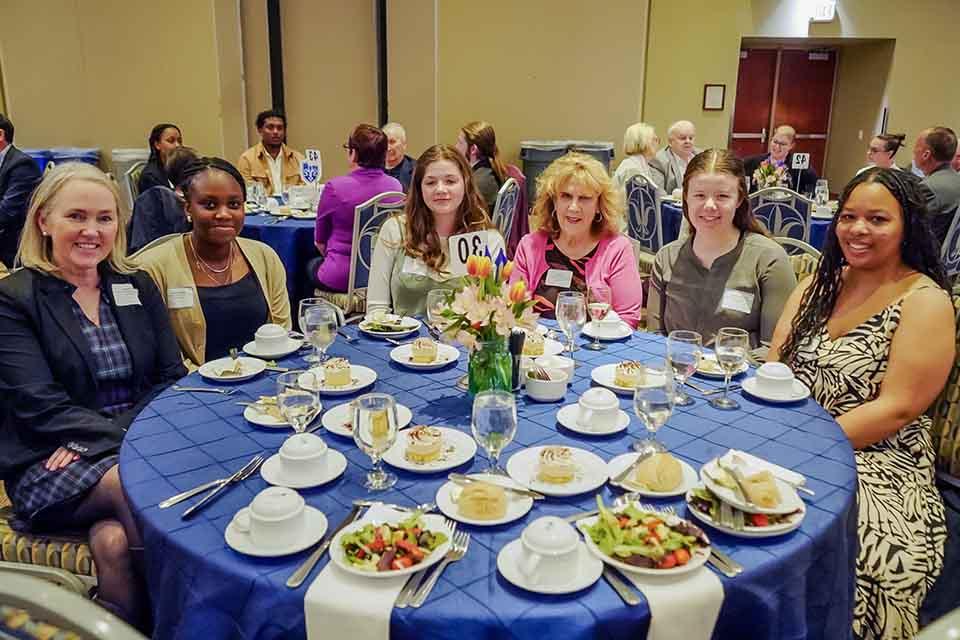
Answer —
367 219
506 206
950 250
643 213
783 212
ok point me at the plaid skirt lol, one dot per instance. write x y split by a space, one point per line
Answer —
38 492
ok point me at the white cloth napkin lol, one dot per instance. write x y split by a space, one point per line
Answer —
750 464
685 607
341 605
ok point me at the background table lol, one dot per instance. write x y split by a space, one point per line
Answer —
795 586
292 239
671 214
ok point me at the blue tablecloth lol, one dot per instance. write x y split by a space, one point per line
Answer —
671 214
795 586
293 241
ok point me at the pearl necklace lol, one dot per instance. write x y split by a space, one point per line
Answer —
212 272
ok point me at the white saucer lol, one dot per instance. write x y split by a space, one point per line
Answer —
591 472
408 325
800 392
605 374
313 530
445 355
621 462
567 416
589 569
716 374
338 419
618 331
789 498
458 448
517 505
272 472
749 532
250 367
360 378
272 354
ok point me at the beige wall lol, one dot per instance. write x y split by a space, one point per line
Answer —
411 81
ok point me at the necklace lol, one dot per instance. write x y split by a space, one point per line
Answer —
213 272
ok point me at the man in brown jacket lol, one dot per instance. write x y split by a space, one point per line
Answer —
271 162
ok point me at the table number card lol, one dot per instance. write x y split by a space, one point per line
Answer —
475 243
310 172
800 161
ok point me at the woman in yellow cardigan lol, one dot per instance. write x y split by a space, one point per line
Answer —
210 277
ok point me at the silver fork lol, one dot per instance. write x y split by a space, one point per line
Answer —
189 493
416 579
346 336
397 343
461 542
221 390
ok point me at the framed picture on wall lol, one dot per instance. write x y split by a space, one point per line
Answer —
713 96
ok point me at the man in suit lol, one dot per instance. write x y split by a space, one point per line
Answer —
399 164
781 153
19 176
932 153
669 164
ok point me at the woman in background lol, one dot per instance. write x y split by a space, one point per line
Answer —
882 149
640 143
163 138
477 141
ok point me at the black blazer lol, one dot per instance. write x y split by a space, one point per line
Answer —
19 176
808 177
156 213
48 392
152 175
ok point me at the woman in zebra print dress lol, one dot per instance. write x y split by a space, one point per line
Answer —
872 335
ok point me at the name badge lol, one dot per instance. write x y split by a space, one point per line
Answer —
125 295
179 298
559 278
414 266
737 301
474 243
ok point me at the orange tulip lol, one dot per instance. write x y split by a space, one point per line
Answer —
506 271
484 267
472 265
518 292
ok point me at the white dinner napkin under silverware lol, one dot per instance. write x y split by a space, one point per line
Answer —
684 607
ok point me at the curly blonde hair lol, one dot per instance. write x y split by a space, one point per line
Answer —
586 171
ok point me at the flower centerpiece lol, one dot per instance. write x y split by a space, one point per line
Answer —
770 174
482 315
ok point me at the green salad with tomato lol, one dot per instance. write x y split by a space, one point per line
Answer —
391 547
706 502
645 538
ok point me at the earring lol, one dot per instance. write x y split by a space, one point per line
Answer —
598 217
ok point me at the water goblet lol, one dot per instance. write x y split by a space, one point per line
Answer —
571 313
375 431
319 322
494 424
684 350
599 298
731 346
298 398
653 403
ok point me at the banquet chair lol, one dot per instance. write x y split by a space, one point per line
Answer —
367 219
132 177
153 243
803 257
31 607
508 200
950 250
945 628
784 212
945 413
643 219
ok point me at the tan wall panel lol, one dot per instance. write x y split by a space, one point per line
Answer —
256 64
233 108
410 77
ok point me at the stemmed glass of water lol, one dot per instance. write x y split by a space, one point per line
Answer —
571 313
375 431
684 350
653 403
436 303
731 346
318 322
599 297
494 424
298 398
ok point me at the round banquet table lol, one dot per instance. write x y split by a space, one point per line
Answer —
795 586
671 214
292 239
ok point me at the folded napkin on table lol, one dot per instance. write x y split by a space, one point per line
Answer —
685 607
749 464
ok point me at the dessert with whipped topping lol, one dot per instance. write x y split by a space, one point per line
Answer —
482 501
630 374
424 444
423 351
336 372
556 465
533 344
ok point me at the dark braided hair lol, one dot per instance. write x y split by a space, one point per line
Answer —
202 165
918 250
155 134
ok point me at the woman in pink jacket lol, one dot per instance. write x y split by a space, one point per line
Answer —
578 213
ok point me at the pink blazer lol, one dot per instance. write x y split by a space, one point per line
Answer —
613 265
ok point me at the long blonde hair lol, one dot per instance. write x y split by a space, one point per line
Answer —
584 170
482 135
36 250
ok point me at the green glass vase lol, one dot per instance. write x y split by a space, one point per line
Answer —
490 366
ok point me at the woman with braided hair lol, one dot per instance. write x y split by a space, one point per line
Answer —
872 335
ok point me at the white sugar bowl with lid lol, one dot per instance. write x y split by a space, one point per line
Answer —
549 551
775 378
270 338
275 518
303 456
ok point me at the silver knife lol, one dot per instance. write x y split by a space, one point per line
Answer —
620 586
717 564
459 478
735 566
733 473
581 515
297 577
623 475
189 493
213 495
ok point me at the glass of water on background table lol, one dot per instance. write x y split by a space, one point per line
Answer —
318 322
375 431
599 297
494 425
731 346
297 398
653 403
684 350
571 313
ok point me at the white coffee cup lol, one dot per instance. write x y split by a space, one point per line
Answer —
302 456
269 337
547 390
598 408
549 551
275 518
563 363
775 378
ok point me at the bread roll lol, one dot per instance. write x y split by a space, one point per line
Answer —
660 472
482 501
761 489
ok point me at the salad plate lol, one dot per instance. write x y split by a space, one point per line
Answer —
349 547
717 481
339 419
389 325
705 506
232 370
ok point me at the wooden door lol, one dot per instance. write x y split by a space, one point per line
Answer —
754 102
804 96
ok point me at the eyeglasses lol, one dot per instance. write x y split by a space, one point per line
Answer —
777 143
347 146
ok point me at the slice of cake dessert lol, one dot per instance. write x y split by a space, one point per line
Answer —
630 374
423 351
336 372
556 465
424 444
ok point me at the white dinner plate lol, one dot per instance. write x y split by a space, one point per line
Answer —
621 462
618 331
253 415
800 392
605 373
697 559
789 498
568 415
335 465
517 505
408 325
787 526
360 378
431 522
457 448
250 367
715 371
291 346
303 214
339 419
445 355
587 571
523 467
314 529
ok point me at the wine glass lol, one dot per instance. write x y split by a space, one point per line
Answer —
494 424
653 403
571 315
436 303
298 398
599 298
375 431
684 350
731 346
318 322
